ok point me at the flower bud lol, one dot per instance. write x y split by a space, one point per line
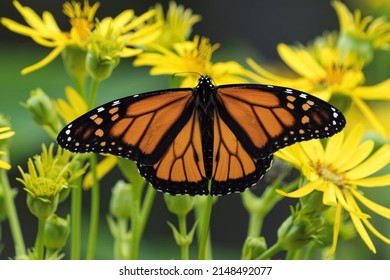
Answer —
299 229
100 68
40 207
179 205
120 203
41 108
363 48
57 231
253 247
74 59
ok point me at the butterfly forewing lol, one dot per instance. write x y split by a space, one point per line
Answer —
267 118
140 129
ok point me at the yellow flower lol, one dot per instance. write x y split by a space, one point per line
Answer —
45 31
191 59
5 133
340 171
81 20
177 25
121 36
374 31
324 71
73 108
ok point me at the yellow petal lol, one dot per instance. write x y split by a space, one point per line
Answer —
336 230
139 20
313 150
19 28
375 232
350 208
361 153
301 61
374 163
367 112
376 92
379 181
122 19
349 147
329 197
6 132
333 146
302 191
379 209
359 225
4 165
49 58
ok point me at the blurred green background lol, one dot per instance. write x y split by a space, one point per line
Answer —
246 28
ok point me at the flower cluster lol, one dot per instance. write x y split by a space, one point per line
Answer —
334 174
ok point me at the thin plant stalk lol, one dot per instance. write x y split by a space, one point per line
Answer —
204 226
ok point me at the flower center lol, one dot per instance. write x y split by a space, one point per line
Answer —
331 175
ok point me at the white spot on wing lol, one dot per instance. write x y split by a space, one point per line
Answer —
100 109
116 102
303 95
67 132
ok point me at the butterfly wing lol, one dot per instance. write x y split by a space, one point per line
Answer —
267 118
139 127
234 169
181 169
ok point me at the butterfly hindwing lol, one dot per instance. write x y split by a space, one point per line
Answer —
268 118
181 169
139 127
234 170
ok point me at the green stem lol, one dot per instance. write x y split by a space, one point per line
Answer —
294 254
263 205
81 86
92 94
146 207
310 251
95 207
135 222
273 250
204 226
39 242
183 232
255 224
76 221
121 242
9 204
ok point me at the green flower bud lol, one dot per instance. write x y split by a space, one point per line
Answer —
363 48
100 68
253 247
40 207
74 59
313 203
42 111
179 205
120 203
56 232
299 229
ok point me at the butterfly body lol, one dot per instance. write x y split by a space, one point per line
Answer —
182 138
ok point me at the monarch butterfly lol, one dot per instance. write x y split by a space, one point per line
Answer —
182 138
